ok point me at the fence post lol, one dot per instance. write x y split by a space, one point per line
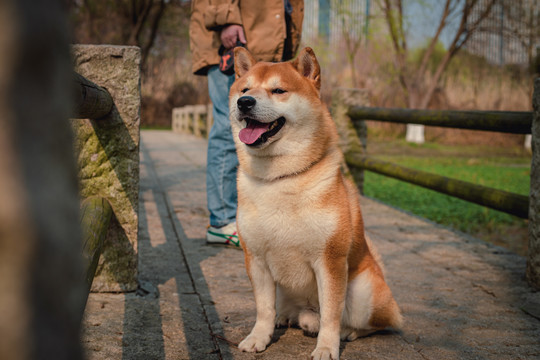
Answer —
175 123
182 119
533 258
185 119
353 137
209 119
196 121
108 157
188 123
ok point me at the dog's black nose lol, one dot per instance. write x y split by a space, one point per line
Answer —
246 103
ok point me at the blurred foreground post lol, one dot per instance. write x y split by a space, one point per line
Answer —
42 290
533 259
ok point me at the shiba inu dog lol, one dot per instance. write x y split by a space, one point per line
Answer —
299 220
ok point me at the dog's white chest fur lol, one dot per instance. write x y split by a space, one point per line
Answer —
285 228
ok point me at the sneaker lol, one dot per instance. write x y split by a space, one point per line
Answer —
226 235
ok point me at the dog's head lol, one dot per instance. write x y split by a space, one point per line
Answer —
275 107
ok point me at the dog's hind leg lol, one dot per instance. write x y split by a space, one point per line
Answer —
309 320
358 305
369 307
287 309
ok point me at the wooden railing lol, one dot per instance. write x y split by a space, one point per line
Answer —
91 100
514 122
195 119
96 215
527 207
501 121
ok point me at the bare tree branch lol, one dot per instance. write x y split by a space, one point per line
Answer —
429 51
123 22
139 17
418 90
463 34
153 31
400 46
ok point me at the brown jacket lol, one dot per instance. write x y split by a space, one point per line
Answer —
263 22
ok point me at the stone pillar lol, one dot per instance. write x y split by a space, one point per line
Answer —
108 157
533 258
42 290
353 137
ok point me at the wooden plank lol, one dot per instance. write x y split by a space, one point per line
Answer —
515 122
91 101
514 204
96 214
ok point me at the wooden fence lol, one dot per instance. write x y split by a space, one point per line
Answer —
191 119
500 121
527 207
195 119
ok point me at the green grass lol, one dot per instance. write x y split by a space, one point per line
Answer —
510 173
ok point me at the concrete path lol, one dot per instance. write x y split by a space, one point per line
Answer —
461 298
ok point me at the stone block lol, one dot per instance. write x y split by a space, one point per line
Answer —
108 157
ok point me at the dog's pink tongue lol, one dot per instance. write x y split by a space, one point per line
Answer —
252 131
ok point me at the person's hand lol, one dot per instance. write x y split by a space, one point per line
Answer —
231 34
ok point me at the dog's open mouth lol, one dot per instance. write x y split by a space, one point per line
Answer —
256 133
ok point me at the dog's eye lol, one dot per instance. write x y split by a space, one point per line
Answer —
278 91
245 90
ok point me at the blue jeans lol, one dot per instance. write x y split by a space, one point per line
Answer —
222 162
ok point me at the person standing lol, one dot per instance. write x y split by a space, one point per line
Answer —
271 31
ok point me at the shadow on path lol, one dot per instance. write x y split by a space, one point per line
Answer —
168 316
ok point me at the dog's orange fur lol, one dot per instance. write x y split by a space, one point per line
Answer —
299 218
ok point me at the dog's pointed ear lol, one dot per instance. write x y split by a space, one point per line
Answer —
243 61
307 65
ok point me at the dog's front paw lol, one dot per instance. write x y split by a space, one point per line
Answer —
325 353
254 343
